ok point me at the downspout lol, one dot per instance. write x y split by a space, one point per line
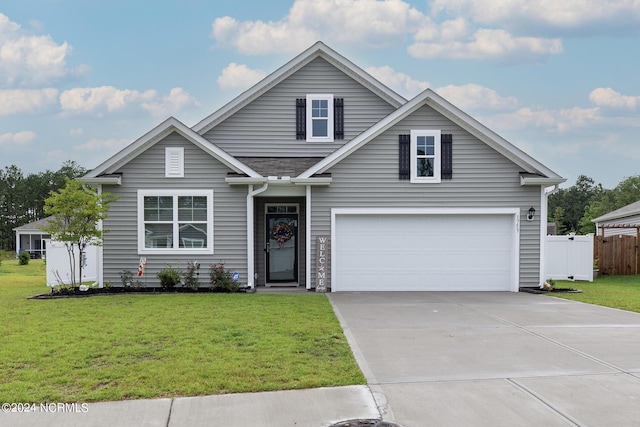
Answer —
308 238
544 206
99 250
250 233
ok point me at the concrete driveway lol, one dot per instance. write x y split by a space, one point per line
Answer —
494 359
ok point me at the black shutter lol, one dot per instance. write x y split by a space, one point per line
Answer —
301 118
404 163
338 118
446 165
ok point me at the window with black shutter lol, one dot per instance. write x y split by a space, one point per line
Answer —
404 162
319 118
446 156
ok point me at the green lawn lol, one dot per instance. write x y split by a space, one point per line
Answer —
145 346
621 292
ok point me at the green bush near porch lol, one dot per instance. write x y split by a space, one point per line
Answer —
146 346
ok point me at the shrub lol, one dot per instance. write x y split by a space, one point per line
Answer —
24 257
169 277
191 276
221 279
126 276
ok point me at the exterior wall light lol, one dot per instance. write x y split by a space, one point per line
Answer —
532 213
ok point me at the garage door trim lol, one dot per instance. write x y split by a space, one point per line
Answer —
513 212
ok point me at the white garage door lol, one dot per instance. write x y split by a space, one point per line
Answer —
424 252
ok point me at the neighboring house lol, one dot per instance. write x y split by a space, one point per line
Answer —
625 220
30 237
318 176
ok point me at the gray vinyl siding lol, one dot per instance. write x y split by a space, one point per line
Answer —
267 126
481 178
202 171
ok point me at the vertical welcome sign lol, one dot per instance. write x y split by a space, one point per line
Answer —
322 263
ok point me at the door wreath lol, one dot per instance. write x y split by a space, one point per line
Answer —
282 233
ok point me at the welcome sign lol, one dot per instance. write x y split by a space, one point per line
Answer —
322 263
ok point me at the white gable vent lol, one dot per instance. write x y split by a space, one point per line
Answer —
174 162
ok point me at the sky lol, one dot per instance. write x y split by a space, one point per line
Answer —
80 80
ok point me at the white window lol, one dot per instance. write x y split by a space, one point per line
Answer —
320 118
174 162
425 156
175 221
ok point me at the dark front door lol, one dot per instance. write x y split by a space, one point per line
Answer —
282 247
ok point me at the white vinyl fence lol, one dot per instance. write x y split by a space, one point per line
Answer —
58 268
569 258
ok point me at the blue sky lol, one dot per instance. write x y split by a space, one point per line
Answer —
80 80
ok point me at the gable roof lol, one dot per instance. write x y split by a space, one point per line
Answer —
544 175
156 134
631 209
318 50
34 226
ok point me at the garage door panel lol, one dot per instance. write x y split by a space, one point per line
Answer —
424 252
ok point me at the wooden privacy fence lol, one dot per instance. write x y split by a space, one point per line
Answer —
617 254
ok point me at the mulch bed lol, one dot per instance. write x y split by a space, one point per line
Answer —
364 423
77 293
550 291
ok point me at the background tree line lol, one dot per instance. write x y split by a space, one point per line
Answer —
22 197
573 208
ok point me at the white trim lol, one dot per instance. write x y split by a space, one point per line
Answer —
174 162
515 212
310 118
175 250
251 193
437 137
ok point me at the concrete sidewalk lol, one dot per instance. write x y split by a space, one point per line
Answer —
314 408
494 359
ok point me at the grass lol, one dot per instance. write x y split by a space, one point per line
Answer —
147 346
621 292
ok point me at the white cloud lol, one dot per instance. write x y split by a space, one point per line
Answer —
27 60
488 44
76 132
13 101
368 22
398 81
475 97
561 15
239 76
561 120
19 138
108 99
607 97
176 100
110 145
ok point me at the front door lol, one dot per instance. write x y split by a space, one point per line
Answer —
282 243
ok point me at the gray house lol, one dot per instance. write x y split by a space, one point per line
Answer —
321 177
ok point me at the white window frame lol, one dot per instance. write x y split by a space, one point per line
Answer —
174 162
176 249
436 134
309 112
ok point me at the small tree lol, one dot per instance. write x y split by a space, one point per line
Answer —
76 211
